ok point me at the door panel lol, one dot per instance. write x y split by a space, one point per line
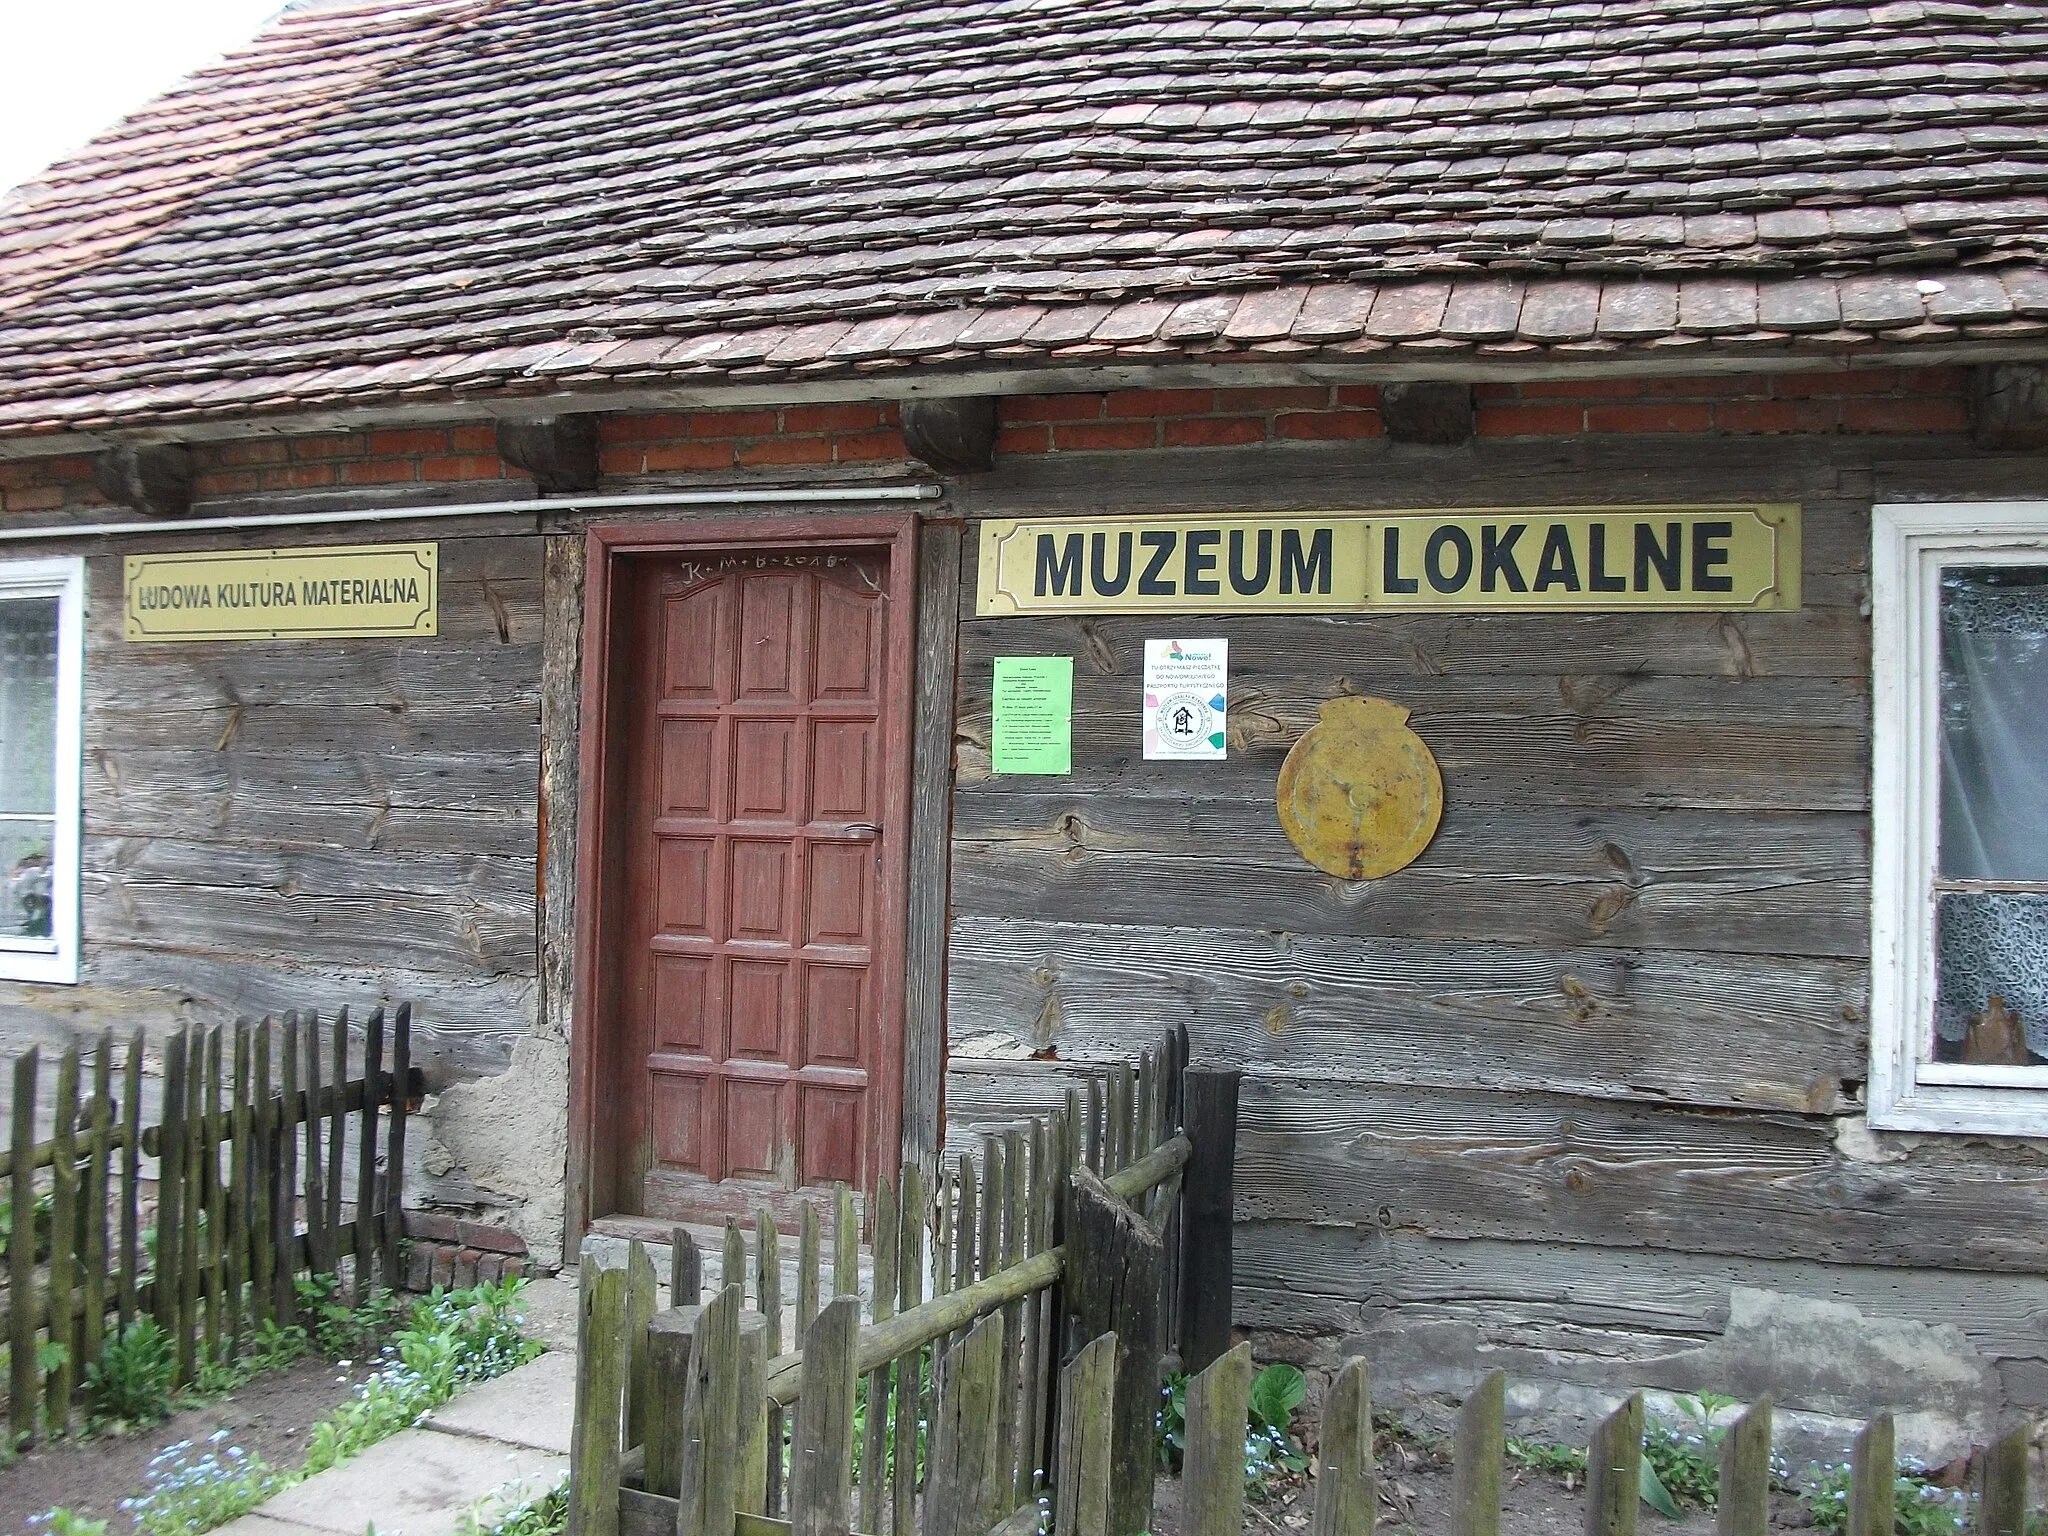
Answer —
758 859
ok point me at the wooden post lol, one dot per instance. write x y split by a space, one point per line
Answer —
1475 1473
968 1488
806 1266
845 1242
1347 1493
185 1239
1114 1264
99 1143
63 1322
2002 1486
212 1132
286 1208
21 1252
337 1141
821 1450
1208 1196
263 1190
241 1249
319 1246
1873 1478
170 1174
875 1437
1614 1463
131 1180
366 1156
1212 1482
685 1270
600 1387
711 1431
759 1460
909 1373
639 1311
394 1147
1084 1479
671 1336
1744 1506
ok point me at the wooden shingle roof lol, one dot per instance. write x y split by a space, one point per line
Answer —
450 198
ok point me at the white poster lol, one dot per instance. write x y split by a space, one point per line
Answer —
1187 683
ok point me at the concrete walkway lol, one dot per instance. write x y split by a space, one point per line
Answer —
477 1456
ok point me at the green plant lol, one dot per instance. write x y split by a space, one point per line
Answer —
542 1514
131 1381
194 1488
1919 1507
64 1522
1270 1448
453 1338
1684 1459
342 1332
1562 1461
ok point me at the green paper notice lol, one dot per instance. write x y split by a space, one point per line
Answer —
1034 715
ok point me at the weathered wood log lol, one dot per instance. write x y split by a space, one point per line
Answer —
1212 1477
1085 1468
1347 1483
1743 1507
153 478
968 1486
955 436
821 1448
708 1481
600 1401
1421 411
1475 1472
1873 1479
560 452
2002 1484
2009 406
639 1311
1207 1213
1614 1463
1115 1268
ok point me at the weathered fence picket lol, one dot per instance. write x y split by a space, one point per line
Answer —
226 1184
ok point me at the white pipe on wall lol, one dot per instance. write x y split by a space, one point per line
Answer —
722 497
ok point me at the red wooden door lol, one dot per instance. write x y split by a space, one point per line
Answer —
764 853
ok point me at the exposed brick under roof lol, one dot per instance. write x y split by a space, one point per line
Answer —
455 198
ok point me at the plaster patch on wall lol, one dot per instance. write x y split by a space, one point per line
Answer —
510 1134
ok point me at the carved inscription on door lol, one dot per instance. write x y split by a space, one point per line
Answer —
760 785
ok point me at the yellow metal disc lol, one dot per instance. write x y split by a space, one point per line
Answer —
1360 795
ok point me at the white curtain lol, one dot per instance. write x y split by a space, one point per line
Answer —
1994 796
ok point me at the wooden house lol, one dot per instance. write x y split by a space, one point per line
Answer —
637 527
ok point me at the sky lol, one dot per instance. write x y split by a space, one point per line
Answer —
76 67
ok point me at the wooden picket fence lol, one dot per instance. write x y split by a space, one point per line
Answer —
1346 1495
227 1242
695 1420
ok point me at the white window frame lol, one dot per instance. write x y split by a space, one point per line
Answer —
1910 543
55 960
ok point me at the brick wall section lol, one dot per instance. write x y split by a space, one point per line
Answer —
803 437
763 438
453 1253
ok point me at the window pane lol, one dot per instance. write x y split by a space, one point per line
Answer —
25 879
28 706
1991 982
1994 722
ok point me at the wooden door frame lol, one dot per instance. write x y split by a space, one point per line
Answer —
593 1184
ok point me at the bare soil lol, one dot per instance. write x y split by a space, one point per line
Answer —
1415 1500
268 1418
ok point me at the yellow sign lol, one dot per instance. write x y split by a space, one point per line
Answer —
1360 795
285 594
1583 559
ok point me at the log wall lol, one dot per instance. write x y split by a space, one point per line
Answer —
308 823
1583 1082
